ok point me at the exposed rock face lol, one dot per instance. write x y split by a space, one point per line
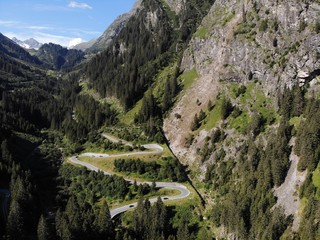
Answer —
12 49
287 193
28 44
175 5
113 30
274 42
85 45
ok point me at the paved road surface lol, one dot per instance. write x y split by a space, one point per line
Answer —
184 192
155 148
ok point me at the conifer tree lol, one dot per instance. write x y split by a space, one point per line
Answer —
104 222
43 230
15 223
226 108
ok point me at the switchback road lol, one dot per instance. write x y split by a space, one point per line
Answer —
154 149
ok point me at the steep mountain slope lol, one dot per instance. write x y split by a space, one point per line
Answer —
85 45
29 43
17 67
113 30
32 43
233 121
276 44
12 49
147 44
232 85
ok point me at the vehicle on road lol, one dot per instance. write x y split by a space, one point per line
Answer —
184 192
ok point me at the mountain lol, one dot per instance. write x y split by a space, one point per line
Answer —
12 49
235 85
274 51
113 30
84 45
29 43
248 71
58 57
146 44
32 43
231 91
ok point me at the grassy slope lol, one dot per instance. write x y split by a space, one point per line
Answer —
107 164
253 100
316 180
187 78
157 89
128 117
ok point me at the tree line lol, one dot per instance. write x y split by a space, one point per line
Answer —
170 168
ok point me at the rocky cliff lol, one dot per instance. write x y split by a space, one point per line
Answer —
175 5
113 30
230 117
273 42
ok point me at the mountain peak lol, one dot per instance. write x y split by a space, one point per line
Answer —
30 43
114 29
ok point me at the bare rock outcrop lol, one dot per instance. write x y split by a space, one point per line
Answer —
113 30
272 42
175 5
287 193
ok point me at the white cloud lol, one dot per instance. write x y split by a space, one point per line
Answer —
20 25
74 4
75 41
8 23
38 27
44 38
57 39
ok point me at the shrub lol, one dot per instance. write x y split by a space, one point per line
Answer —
263 26
226 108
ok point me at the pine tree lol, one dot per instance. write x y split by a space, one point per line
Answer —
195 123
166 101
159 219
15 223
226 108
153 186
210 105
43 231
104 222
138 218
135 185
298 101
183 231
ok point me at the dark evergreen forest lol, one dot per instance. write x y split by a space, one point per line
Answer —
39 111
45 117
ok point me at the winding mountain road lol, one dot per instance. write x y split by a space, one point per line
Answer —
154 149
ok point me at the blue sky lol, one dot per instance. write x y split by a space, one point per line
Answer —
64 22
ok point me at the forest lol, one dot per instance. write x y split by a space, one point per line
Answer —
264 168
51 108
171 169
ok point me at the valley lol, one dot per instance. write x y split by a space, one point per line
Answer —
183 120
154 149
